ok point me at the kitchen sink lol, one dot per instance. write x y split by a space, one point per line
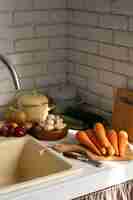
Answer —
25 161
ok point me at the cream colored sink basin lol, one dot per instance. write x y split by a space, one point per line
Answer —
24 162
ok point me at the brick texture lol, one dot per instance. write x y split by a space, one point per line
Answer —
87 43
120 53
46 4
122 7
112 79
10 5
114 22
33 37
101 49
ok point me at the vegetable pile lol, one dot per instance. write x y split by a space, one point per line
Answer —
17 126
104 142
12 129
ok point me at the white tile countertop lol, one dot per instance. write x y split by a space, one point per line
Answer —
86 180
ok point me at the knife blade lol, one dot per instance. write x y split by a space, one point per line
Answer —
82 158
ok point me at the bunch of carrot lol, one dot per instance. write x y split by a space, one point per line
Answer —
104 142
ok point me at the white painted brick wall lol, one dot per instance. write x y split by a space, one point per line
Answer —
33 38
50 79
16 33
124 38
5 19
100 6
34 17
5 75
61 43
131 23
95 5
106 104
58 67
6 86
11 5
57 55
90 97
76 4
70 68
93 99
84 18
53 55
40 56
114 22
51 30
86 71
32 44
112 79
5 98
83 45
59 16
93 19
122 7
99 34
80 17
110 53
78 31
31 70
123 68
100 89
99 62
120 53
79 57
81 82
92 60
21 58
103 63
39 4
131 55
6 46
27 83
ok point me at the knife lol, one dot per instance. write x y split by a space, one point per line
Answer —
82 158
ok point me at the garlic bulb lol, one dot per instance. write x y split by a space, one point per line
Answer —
50 121
53 122
49 127
51 117
59 126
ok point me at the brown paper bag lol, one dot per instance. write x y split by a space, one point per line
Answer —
122 116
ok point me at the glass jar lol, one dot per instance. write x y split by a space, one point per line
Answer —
35 107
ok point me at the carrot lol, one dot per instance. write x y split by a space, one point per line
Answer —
101 135
113 138
82 137
92 137
123 141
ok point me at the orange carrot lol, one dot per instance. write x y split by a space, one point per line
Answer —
113 138
82 137
92 137
123 142
101 135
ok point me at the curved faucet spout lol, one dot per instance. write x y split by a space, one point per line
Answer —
12 71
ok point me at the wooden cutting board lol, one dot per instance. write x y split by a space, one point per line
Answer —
128 156
66 147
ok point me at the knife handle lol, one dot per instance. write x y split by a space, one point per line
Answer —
71 155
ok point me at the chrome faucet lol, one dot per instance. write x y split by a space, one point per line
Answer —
12 71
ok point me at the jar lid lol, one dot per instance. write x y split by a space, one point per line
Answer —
32 100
